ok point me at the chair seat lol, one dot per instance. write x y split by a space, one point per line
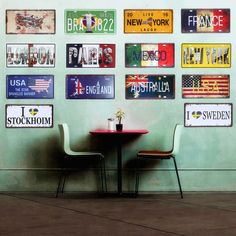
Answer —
79 154
155 154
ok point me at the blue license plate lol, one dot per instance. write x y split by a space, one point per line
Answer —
90 86
30 86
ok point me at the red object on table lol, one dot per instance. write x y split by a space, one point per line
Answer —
118 135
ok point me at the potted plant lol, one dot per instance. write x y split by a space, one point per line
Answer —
119 115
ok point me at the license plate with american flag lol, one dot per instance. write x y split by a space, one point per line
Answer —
205 86
30 86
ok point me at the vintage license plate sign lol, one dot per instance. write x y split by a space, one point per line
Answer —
30 55
30 86
208 114
205 86
90 21
29 116
149 55
30 21
148 21
90 55
90 86
215 55
205 20
150 86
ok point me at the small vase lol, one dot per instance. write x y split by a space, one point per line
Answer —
119 127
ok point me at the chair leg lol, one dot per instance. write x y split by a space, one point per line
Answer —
59 182
177 174
101 173
104 174
137 176
64 181
63 176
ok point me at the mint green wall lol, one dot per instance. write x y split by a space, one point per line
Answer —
29 157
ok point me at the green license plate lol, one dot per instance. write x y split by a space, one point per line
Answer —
90 21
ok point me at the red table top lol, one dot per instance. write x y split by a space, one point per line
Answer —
125 131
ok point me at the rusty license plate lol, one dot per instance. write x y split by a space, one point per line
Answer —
29 21
205 86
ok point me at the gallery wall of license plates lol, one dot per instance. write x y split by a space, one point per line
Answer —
138 86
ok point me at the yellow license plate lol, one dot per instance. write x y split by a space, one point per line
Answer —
148 21
208 55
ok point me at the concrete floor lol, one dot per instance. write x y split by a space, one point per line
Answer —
198 214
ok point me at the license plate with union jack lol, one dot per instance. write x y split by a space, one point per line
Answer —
150 86
90 86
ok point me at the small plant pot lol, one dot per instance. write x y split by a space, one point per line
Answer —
119 127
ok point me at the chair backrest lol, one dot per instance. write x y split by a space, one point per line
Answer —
65 137
176 138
